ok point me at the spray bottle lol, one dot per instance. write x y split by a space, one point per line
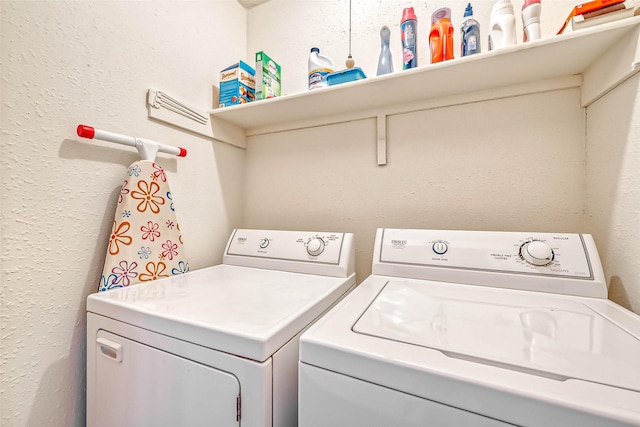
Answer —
409 37
385 62
469 33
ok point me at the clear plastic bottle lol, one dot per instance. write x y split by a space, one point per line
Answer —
319 67
385 62
409 38
502 25
469 34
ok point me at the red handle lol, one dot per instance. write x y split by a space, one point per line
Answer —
85 131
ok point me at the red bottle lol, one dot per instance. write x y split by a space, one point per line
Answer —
409 38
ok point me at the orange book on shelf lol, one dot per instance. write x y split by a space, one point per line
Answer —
593 8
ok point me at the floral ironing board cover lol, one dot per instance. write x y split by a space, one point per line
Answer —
145 242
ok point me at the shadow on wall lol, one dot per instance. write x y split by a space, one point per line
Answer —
68 378
73 398
611 171
618 293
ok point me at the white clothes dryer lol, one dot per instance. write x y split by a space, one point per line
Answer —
462 328
216 346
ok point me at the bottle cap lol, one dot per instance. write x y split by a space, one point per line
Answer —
442 13
408 14
315 49
528 3
468 11
385 34
502 4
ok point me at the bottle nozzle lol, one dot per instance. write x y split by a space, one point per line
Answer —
468 11
385 34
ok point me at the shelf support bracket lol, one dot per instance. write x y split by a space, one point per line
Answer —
618 64
382 139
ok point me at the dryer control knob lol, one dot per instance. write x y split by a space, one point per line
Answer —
264 243
315 246
536 252
440 247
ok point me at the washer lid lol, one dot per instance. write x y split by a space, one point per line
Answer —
547 335
244 311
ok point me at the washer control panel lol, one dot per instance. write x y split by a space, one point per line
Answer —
308 246
535 253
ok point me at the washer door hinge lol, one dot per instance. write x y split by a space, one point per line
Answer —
238 408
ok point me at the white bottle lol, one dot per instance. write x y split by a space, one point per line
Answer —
531 20
319 67
502 25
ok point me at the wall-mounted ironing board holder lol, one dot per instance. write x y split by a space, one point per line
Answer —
147 148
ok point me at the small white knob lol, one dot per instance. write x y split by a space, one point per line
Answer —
440 247
537 252
264 243
315 246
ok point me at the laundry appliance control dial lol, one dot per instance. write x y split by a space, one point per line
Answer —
315 246
536 252
440 247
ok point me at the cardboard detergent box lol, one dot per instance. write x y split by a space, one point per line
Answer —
268 77
237 84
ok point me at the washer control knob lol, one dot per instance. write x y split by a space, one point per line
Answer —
315 246
264 243
536 252
440 247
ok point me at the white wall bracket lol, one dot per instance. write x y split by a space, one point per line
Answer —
382 139
614 67
168 109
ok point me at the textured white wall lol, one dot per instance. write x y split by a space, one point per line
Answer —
467 167
613 183
65 63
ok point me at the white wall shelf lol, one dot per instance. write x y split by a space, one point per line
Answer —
597 59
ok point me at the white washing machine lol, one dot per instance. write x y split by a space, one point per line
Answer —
217 346
458 328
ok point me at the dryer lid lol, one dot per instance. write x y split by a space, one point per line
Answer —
553 336
249 312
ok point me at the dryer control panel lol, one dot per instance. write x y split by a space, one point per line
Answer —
521 260
298 251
